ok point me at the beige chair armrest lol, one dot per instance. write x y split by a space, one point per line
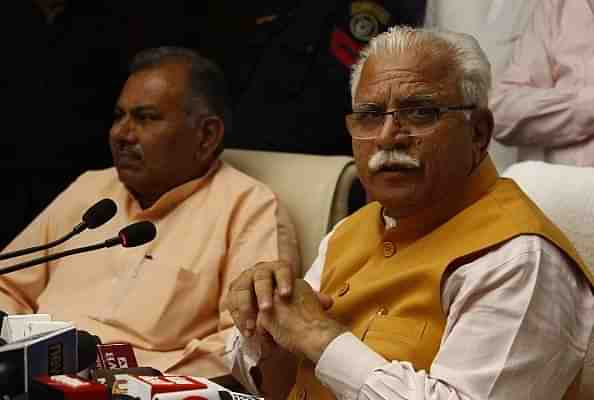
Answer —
314 189
566 195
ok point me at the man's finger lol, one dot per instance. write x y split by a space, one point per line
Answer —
284 279
242 306
264 287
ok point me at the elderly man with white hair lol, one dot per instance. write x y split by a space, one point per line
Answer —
452 284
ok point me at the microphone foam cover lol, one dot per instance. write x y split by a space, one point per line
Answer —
100 213
87 349
137 234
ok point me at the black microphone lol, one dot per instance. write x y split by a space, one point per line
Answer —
60 352
2 315
97 215
48 353
133 235
87 349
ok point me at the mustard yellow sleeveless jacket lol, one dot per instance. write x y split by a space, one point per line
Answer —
390 296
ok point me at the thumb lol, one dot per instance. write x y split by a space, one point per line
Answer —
325 300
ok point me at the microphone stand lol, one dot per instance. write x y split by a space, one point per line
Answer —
77 229
108 243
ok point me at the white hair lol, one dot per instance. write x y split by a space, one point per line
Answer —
467 54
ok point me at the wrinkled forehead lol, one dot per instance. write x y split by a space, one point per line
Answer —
390 78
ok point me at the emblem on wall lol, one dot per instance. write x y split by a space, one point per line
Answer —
367 19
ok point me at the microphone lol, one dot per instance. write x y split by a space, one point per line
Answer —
2 315
62 351
47 353
87 349
115 356
97 215
20 326
133 235
67 387
109 377
174 387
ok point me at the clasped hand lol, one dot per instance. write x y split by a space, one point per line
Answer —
267 300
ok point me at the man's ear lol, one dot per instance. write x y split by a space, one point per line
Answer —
482 123
211 133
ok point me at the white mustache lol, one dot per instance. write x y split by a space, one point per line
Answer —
391 157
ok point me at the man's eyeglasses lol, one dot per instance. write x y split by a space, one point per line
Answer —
366 125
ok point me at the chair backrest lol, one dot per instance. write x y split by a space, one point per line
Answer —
315 189
566 195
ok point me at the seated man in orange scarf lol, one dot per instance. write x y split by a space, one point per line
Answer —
451 285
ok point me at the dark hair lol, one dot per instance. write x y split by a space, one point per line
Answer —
206 78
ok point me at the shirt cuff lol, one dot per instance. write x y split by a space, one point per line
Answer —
241 355
584 114
346 364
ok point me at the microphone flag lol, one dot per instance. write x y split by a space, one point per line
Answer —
115 355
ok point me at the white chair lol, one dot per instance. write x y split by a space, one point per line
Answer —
566 195
315 189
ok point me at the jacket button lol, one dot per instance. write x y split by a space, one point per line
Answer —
344 289
389 249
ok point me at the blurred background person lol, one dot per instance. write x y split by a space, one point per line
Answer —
292 73
544 101
497 25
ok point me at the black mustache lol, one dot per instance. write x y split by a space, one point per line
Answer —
127 152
